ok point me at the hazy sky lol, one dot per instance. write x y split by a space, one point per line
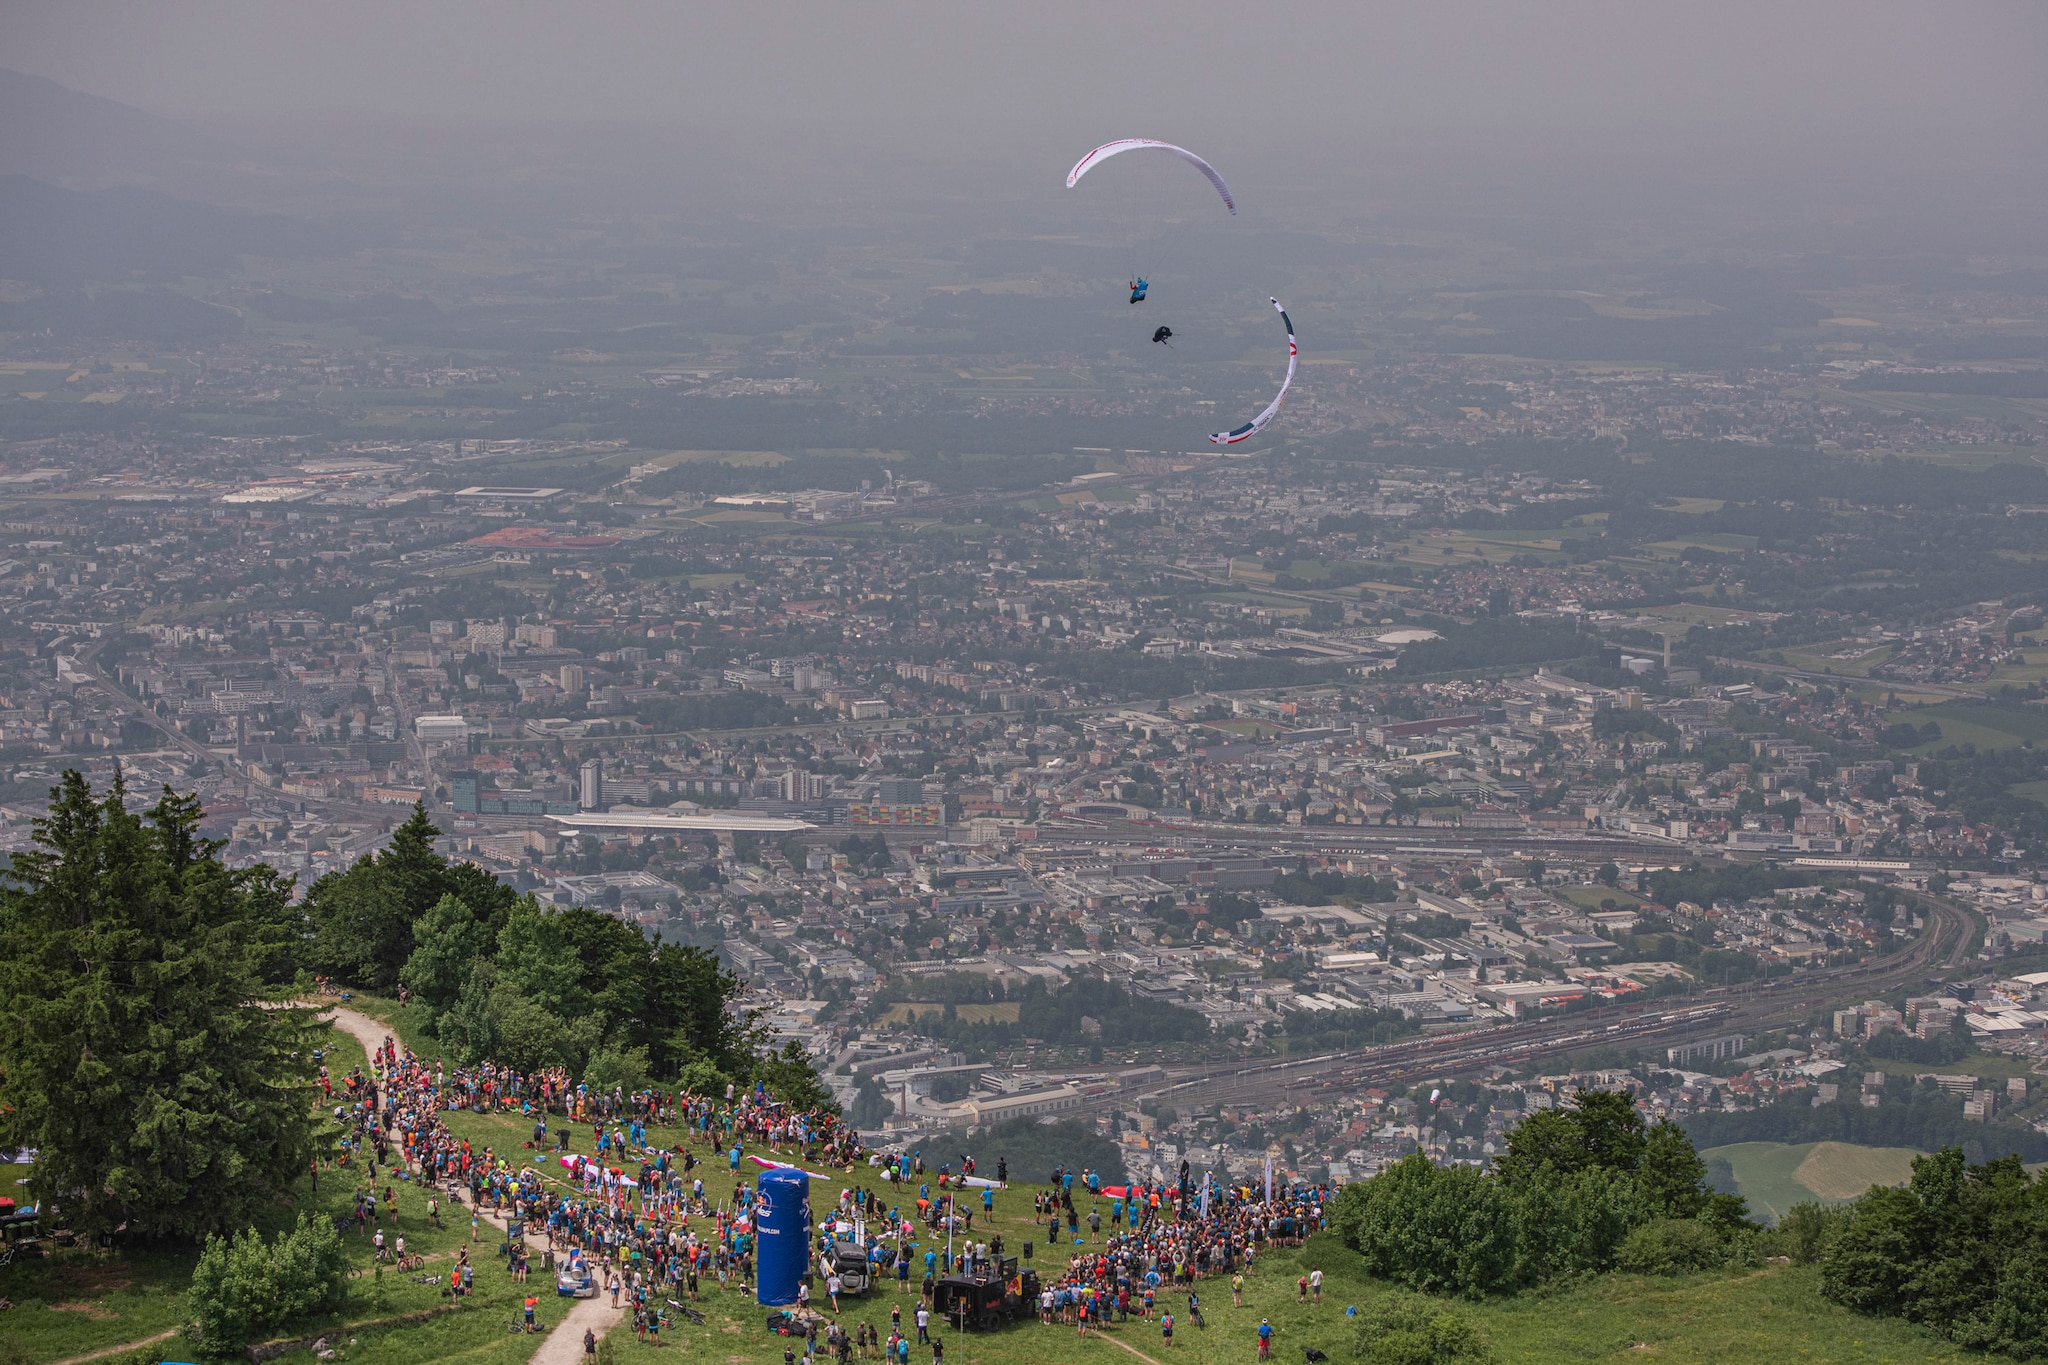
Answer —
1327 73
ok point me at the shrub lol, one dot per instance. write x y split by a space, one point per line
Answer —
243 1288
1958 1251
1671 1246
1807 1232
1444 1229
1413 1331
623 1068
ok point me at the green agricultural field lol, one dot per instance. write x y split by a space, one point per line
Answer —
1489 546
2033 668
1774 1176
1815 661
1697 614
1991 1065
1724 542
1995 726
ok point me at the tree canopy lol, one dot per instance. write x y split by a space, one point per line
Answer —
501 977
143 1050
1962 1249
1575 1187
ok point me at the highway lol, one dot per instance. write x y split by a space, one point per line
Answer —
1852 679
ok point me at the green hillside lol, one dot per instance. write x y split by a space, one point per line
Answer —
1773 1176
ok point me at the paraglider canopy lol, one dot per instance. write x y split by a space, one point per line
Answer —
1258 423
1138 288
1165 335
1132 144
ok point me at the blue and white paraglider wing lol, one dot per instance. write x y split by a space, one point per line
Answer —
1132 144
1257 424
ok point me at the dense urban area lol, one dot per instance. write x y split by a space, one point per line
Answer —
1388 735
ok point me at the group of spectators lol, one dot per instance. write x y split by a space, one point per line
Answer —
638 1219
1163 1240
641 1224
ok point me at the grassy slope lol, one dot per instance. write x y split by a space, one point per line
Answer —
1774 1314
135 1295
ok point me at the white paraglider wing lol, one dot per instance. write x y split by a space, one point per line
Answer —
1132 144
1433 1095
1257 424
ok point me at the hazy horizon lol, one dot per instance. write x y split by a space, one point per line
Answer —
894 82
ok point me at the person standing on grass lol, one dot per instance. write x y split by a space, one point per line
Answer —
1315 1284
1166 1327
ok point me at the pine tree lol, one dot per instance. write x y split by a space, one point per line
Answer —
365 916
138 1051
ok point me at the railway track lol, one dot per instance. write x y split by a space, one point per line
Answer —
1725 1009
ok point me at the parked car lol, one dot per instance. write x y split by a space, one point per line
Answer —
575 1280
850 1263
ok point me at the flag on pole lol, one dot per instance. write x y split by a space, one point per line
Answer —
1269 1180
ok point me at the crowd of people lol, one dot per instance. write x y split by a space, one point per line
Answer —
638 1222
636 1219
1162 1241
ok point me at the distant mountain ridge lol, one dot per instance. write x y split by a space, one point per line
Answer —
67 136
61 239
